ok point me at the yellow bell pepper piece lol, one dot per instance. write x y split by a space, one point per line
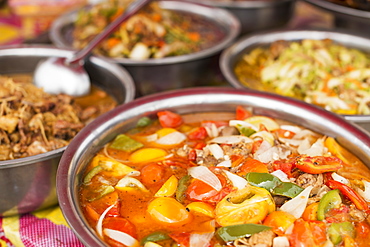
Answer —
248 205
201 208
152 244
147 154
165 131
169 187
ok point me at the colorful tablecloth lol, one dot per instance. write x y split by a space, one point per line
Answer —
46 228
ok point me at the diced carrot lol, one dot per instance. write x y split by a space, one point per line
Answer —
156 17
193 36
112 42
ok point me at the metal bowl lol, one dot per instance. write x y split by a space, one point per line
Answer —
28 184
202 99
257 15
155 75
345 17
234 53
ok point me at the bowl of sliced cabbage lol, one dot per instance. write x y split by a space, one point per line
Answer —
329 69
217 167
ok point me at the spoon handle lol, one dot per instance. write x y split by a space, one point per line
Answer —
131 10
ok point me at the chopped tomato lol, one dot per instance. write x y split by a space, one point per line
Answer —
242 113
199 133
308 233
169 119
152 174
285 166
256 145
200 191
284 133
252 165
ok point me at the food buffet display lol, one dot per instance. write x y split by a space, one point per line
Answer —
214 166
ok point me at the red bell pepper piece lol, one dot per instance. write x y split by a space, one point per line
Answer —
169 119
198 134
347 191
319 164
242 113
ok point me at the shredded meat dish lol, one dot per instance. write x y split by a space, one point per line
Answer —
34 122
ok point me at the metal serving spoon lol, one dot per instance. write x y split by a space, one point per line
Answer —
68 75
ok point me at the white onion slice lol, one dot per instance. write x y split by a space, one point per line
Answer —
152 137
200 240
365 193
317 149
339 178
204 174
235 123
130 182
216 150
231 139
281 175
99 224
280 242
297 205
121 237
225 163
291 128
236 180
172 138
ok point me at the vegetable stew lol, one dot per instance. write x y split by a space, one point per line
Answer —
217 179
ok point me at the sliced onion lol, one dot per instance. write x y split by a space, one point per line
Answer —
212 131
265 135
282 241
235 123
204 174
317 149
236 180
152 137
99 224
281 175
296 142
216 150
130 182
297 205
225 163
200 240
304 145
121 237
231 139
339 178
365 193
303 133
263 148
172 138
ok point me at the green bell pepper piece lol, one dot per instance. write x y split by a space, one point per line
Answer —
105 190
125 143
230 233
182 187
245 131
263 180
287 189
92 173
331 199
154 237
144 121
337 230
273 184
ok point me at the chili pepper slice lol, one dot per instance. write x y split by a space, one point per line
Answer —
318 164
336 231
330 200
347 191
230 233
273 184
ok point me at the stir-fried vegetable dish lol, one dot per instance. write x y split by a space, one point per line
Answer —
225 179
154 32
34 122
320 72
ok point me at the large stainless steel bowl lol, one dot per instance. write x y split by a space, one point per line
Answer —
345 17
155 75
28 184
203 99
257 15
234 53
